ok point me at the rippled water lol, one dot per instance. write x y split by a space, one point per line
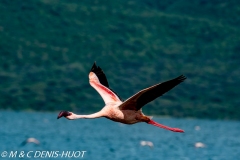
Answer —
104 139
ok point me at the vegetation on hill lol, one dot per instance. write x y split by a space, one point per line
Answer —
47 48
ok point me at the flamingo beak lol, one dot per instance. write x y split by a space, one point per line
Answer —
63 114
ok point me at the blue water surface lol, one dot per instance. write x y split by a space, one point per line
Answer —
104 139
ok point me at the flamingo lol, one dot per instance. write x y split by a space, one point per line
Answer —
128 111
30 140
199 145
147 143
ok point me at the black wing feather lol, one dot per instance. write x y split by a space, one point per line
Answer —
102 77
158 90
100 74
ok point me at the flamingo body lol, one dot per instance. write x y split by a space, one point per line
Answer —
124 116
129 111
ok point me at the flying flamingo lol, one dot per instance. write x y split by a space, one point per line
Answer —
129 111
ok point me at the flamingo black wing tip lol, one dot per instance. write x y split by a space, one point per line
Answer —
181 78
94 67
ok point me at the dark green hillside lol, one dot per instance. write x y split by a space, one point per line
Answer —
47 48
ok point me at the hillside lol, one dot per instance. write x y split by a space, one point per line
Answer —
47 48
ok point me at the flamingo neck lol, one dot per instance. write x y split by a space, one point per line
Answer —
164 127
90 116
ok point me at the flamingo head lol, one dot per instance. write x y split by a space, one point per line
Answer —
65 114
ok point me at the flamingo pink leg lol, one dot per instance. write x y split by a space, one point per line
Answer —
165 127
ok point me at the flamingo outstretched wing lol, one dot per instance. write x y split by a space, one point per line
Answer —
98 81
137 101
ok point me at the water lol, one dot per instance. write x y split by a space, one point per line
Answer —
104 139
